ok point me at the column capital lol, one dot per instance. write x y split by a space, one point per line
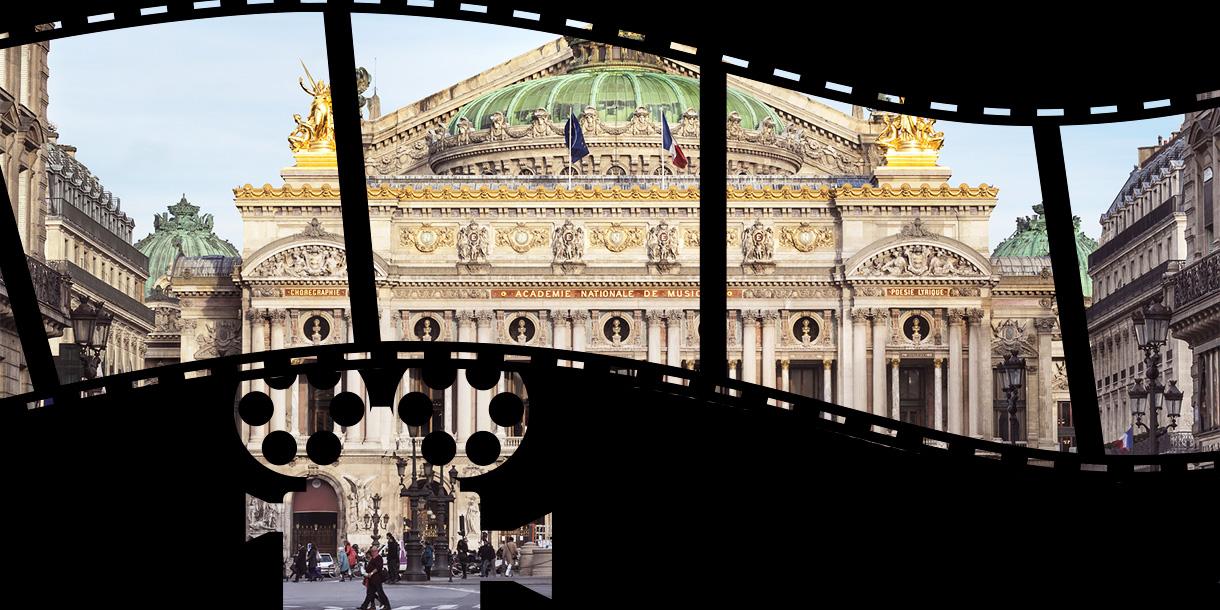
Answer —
895 360
827 361
654 316
1044 325
860 315
956 316
675 315
734 363
770 316
937 362
252 314
975 316
485 316
881 316
580 315
785 363
557 314
278 316
750 314
464 315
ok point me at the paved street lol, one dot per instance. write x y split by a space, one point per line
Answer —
437 595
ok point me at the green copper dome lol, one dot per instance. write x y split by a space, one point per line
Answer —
614 91
1030 240
186 232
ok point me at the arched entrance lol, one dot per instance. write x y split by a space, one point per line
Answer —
315 516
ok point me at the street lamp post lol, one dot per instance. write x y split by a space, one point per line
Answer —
376 520
91 330
413 498
1013 369
1151 331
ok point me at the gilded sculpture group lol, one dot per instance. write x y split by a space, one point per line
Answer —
918 260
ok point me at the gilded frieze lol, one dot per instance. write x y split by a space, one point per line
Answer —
806 237
427 238
617 238
523 238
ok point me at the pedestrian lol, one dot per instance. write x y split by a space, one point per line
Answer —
344 563
428 558
487 556
311 558
353 561
392 557
376 576
298 563
510 555
402 561
463 554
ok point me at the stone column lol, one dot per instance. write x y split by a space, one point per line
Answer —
881 334
279 319
986 383
749 346
858 378
938 406
1048 411
580 323
673 337
258 335
827 385
733 369
355 384
768 347
955 371
560 333
483 397
654 335
465 421
785 380
974 383
895 411
846 356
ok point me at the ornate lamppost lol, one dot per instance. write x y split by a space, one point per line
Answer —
1151 331
413 498
376 520
91 330
1013 369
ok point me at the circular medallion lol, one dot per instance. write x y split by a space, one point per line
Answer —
805 330
521 329
427 329
916 328
316 329
617 329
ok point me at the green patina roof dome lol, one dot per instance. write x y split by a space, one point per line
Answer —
614 91
1030 240
186 231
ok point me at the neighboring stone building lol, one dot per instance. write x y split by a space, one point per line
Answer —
1023 264
1194 288
179 236
864 284
24 130
89 240
1143 237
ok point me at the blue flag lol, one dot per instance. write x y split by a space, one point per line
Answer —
574 139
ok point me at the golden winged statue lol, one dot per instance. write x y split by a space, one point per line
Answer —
317 131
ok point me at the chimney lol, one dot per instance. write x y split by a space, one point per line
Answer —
1146 152
70 150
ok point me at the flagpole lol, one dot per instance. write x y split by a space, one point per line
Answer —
664 158
571 141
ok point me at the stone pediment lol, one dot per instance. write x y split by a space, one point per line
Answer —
918 254
918 261
303 261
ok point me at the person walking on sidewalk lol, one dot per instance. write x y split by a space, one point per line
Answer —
510 556
428 558
344 562
298 564
488 556
391 552
353 561
311 557
376 576
463 554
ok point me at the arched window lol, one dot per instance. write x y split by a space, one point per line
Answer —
514 384
317 407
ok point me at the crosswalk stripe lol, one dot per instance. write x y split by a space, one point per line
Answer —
446 607
406 608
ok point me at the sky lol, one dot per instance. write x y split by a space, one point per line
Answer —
201 107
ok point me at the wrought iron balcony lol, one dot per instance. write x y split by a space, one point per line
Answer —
51 288
1196 281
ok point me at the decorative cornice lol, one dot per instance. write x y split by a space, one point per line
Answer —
944 191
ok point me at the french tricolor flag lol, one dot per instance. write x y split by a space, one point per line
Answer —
1127 441
671 146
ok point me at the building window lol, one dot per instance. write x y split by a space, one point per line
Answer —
1208 213
317 407
514 384
25 75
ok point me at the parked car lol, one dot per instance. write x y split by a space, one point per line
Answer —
326 565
